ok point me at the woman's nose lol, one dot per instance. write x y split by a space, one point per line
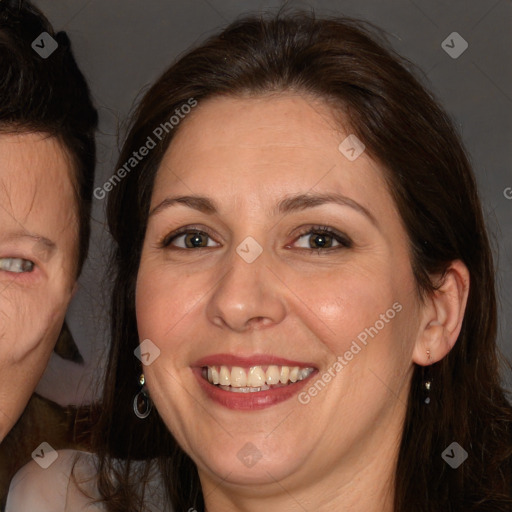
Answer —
248 295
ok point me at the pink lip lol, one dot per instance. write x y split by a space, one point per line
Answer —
249 401
248 361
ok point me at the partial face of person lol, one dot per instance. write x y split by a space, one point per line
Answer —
38 253
276 282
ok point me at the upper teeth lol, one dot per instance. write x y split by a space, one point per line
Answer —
255 376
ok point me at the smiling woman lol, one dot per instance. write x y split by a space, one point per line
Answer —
295 211
283 217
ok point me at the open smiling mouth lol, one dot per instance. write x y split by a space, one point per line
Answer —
254 379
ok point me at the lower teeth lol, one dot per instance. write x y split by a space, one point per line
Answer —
265 387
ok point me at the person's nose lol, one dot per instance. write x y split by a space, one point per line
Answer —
248 296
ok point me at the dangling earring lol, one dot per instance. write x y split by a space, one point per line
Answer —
427 381
142 404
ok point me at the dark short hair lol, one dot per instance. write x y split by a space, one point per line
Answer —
431 181
48 95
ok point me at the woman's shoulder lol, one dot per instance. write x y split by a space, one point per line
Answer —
65 481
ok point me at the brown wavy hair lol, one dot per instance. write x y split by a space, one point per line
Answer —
349 64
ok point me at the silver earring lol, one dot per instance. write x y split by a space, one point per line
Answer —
142 404
427 383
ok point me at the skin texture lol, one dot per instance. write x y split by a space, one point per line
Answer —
36 203
338 451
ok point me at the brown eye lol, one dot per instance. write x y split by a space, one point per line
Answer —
320 240
195 240
324 238
190 239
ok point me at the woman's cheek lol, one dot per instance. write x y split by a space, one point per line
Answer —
163 297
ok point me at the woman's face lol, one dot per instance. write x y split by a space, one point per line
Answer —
38 242
262 290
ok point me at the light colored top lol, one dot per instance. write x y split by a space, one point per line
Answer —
35 489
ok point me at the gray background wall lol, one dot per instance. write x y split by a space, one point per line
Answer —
123 45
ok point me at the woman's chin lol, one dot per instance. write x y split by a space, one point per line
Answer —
246 464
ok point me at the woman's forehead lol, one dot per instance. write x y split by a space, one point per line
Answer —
275 144
287 120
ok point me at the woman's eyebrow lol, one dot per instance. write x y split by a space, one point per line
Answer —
200 203
19 235
286 205
310 200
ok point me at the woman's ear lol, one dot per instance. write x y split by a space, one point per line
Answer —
442 316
